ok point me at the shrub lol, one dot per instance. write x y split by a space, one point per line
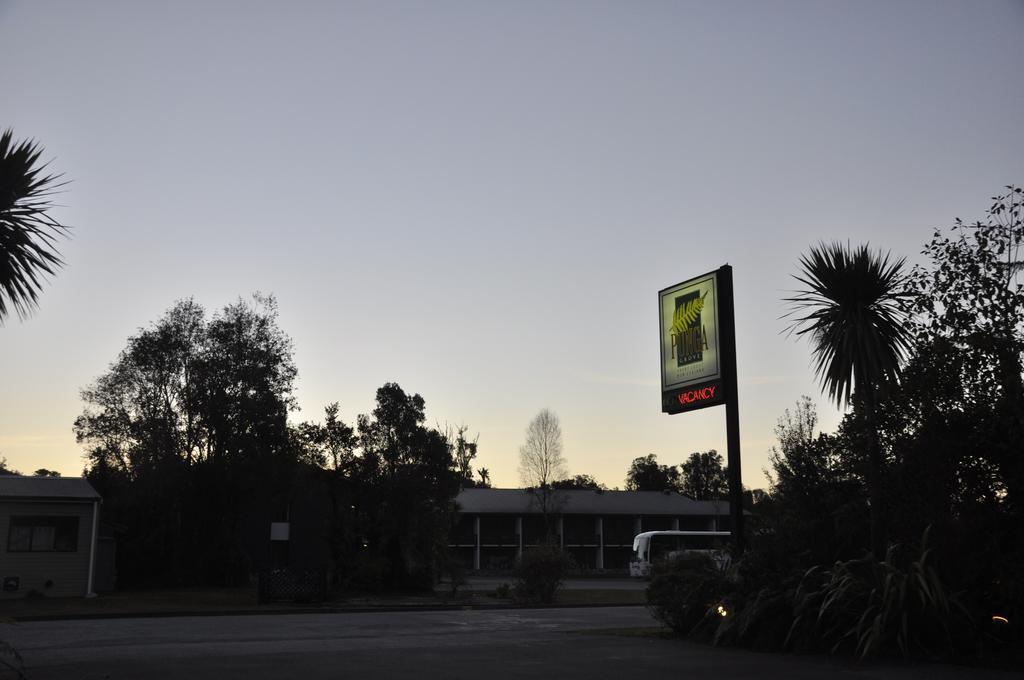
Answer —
685 593
369 572
873 607
455 570
539 574
759 620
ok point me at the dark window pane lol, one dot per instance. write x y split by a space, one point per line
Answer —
20 539
42 537
43 534
66 537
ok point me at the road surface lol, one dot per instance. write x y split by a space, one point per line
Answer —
490 644
489 583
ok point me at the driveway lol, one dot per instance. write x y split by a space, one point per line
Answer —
501 644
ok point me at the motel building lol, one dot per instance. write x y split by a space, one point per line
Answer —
596 528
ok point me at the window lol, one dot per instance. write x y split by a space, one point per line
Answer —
43 534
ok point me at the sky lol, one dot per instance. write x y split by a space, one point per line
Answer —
481 200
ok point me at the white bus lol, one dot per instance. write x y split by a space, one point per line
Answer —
651 546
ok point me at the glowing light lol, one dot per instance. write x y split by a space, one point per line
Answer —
697 395
1000 619
722 611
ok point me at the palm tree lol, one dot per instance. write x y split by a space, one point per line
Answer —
852 310
27 233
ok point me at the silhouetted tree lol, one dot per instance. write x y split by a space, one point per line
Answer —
28 233
43 472
852 311
578 482
190 420
4 470
970 305
645 474
540 456
541 463
330 449
463 450
407 485
485 478
703 478
953 426
817 492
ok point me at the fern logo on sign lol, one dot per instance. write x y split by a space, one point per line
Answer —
690 356
688 338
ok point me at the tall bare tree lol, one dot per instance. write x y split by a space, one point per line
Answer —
540 457
541 463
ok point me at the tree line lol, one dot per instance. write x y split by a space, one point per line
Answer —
187 434
702 476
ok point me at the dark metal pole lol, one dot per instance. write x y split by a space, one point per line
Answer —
732 408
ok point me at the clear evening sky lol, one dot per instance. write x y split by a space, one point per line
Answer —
480 200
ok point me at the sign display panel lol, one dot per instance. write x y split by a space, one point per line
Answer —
691 357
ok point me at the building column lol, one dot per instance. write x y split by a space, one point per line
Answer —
599 529
92 549
476 552
637 526
519 538
561 534
675 524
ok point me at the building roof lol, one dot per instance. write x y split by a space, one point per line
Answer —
586 502
16 487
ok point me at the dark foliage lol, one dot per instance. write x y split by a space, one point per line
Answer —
463 451
851 309
896 605
540 573
405 489
189 422
645 474
936 438
578 482
703 477
686 593
817 509
189 444
28 233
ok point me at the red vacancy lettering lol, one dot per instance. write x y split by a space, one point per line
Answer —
697 395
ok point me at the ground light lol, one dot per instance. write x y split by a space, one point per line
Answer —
722 611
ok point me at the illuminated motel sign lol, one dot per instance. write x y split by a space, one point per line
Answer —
691 345
698 363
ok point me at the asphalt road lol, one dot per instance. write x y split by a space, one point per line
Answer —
603 583
500 644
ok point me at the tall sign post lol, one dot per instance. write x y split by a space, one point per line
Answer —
698 364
